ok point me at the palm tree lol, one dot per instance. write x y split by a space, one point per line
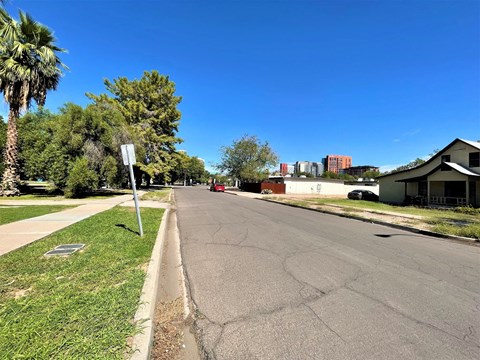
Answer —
29 67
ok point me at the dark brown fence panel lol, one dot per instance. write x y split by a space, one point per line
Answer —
258 187
252 187
276 188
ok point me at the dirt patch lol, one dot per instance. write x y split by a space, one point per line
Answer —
19 293
373 215
377 216
169 325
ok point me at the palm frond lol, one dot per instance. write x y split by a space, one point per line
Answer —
29 64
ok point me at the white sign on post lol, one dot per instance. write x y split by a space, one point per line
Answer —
128 155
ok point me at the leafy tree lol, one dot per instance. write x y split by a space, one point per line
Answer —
81 179
334 175
247 159
306 174
206 176
330 175
414 163
110 171
410 165
29 67
370 174
149 106
49 144
180 169
346 177
36 131
188 168
221 179
197 169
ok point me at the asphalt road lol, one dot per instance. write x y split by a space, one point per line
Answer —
275 282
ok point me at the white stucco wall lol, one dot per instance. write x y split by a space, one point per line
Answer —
324 187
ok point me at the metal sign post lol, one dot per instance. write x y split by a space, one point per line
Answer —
128 155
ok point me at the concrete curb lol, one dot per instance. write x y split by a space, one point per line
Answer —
143 341
379 222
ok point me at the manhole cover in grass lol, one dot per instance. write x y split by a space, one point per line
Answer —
65 249
70 246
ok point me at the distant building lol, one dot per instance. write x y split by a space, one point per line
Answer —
286 169
317 169
336 163
309 167
358 171
302 167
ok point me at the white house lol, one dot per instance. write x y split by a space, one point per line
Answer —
450 177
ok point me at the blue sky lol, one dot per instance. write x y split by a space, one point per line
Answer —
382 81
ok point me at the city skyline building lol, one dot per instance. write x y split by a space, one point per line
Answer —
337 163
358 171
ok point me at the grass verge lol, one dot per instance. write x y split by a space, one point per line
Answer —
81 306
10 214
158 195
449 221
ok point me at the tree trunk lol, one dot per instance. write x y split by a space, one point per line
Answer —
11 179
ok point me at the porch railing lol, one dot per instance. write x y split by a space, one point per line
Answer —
449 201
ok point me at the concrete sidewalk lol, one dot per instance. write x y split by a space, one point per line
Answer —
20 233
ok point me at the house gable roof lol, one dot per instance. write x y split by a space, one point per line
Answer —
474 144
454 166
461 169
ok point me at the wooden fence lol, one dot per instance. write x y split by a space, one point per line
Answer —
258 187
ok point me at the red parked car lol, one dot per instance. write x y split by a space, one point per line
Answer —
217 187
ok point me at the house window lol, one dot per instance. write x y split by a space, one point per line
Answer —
445 158
474 159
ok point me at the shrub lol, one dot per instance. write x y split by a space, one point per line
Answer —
81 179
469 210
110 172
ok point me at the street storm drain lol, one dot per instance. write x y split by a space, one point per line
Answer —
66 249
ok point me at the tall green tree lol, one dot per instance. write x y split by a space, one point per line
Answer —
412 164
248 159
36 131
50 146
29 67
188 168
149 106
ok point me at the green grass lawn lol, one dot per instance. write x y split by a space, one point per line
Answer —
81 306
158 195
10 214
44 191
33 197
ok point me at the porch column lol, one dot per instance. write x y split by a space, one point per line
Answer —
428 192
467 191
